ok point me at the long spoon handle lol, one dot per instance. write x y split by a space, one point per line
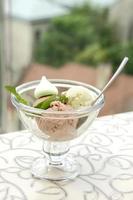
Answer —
120 68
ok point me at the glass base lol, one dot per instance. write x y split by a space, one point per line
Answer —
66 170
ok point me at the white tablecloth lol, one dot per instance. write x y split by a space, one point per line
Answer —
106 158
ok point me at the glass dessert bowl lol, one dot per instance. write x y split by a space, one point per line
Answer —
58 129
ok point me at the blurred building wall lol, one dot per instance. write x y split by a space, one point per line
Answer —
24 36
21 46
121 13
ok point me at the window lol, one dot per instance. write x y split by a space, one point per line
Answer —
37 35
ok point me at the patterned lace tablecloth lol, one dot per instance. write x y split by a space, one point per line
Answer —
105 156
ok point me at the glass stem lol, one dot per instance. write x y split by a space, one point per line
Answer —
55 152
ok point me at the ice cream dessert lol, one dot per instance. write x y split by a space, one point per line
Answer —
56 105
49 98
57 111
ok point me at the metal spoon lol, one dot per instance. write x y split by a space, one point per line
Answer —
120 68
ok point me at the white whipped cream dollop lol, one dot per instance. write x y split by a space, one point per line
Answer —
45 88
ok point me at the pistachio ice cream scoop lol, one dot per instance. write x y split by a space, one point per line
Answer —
79 96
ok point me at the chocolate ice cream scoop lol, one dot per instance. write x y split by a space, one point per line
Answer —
58 128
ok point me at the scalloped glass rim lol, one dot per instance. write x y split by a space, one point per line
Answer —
35 111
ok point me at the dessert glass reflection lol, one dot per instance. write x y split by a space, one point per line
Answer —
57 129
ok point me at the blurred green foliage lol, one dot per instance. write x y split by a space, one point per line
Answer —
118 52
93 54
84 36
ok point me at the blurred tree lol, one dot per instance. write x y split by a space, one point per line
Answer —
118 52
83 35
93 54
71 34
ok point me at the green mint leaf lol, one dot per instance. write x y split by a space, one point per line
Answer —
12 90
46 103
63 99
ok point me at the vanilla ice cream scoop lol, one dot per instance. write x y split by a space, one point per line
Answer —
79 96
45 88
